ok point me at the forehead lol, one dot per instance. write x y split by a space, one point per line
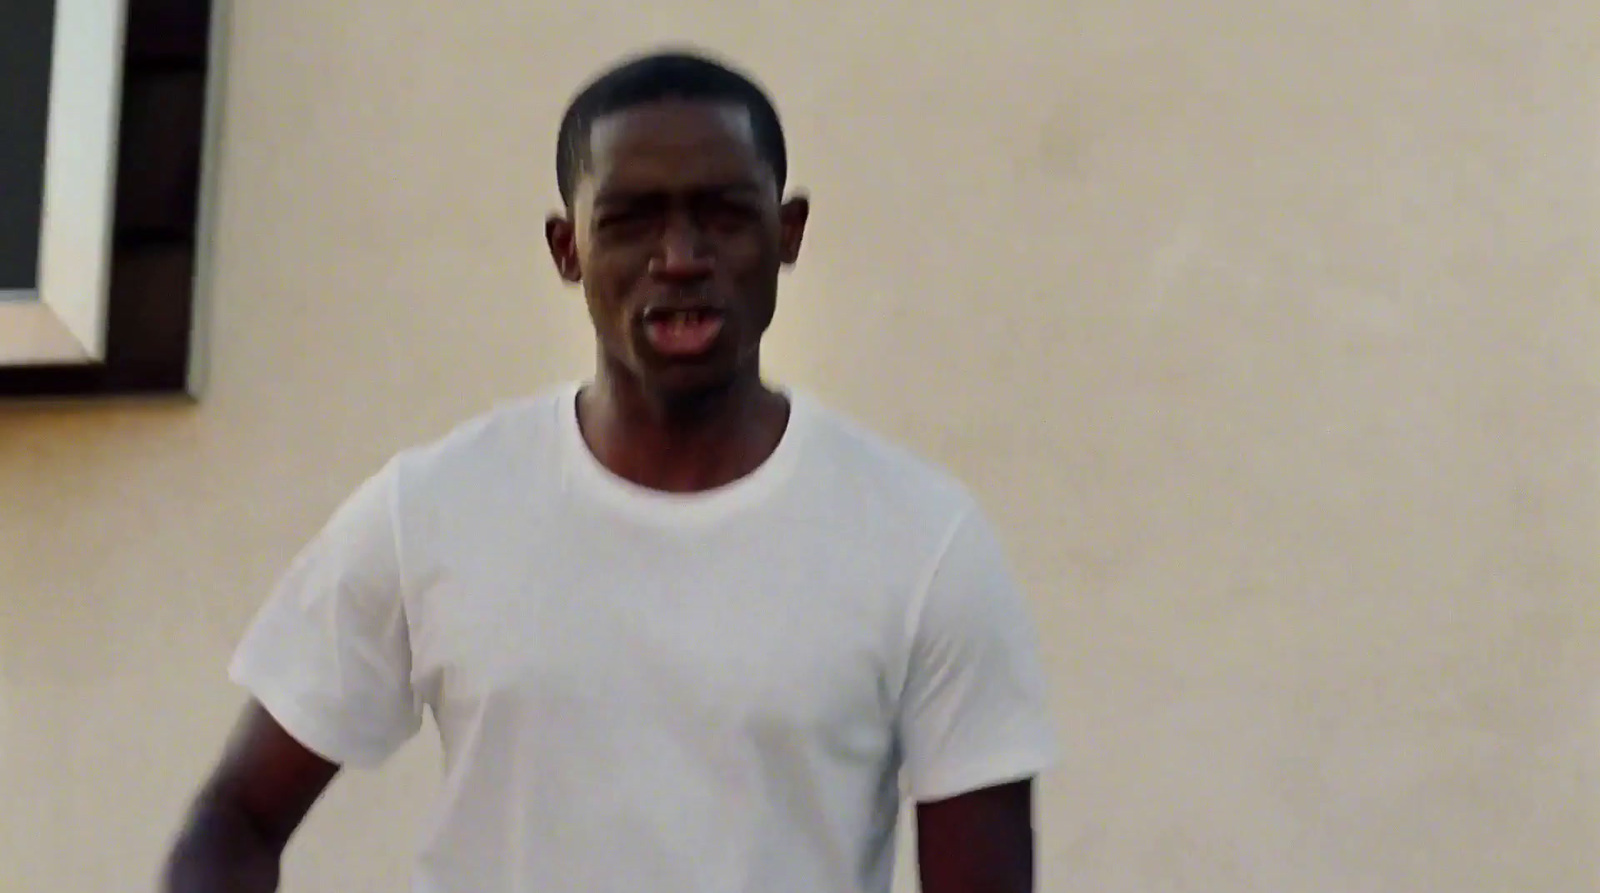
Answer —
674 145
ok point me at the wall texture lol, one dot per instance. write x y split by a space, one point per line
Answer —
1267 330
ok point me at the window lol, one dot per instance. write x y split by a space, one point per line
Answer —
100 173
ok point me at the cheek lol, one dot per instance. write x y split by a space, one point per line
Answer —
611 280
604 296
750 261
757 273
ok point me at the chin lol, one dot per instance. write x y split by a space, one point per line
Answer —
687 386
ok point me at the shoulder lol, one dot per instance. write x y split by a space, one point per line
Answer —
880 477
483 452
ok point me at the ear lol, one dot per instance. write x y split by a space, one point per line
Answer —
561 236
792 217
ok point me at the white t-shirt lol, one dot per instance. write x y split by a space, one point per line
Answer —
724 692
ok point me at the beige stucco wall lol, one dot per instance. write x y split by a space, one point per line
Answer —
1268 331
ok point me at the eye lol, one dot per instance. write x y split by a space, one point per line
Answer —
727 214
624 223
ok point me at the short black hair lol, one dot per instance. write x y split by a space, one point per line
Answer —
676 74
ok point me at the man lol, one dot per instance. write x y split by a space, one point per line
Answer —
680 632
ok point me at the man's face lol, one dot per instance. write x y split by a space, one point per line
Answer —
677 235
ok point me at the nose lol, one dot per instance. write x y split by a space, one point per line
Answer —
682 253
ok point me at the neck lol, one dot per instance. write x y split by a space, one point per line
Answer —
684 442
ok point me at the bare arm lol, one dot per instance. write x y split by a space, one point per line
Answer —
235 834
980 842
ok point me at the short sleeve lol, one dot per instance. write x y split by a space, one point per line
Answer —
328 654
974 711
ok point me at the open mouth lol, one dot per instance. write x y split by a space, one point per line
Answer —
682 332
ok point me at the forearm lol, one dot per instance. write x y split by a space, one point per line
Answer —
221 851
